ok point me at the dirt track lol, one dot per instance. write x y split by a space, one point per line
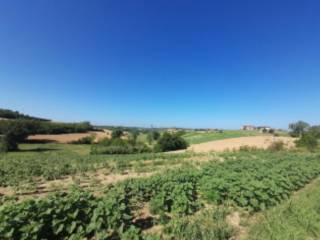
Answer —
236 143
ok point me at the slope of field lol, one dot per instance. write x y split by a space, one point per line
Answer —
297 218
235 143
191 202
201 137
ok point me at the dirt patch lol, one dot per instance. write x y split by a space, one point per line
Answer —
69 137
235 143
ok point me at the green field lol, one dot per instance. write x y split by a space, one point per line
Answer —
297 218
61 191
201 137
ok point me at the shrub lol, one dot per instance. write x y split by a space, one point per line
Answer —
84 140
170 142
117 133
119 146
271 131
308 140
153 136
276 146
7 143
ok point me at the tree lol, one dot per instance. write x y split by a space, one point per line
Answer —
16 132
134 136
308 140
153 136
117 133
298 128
170 142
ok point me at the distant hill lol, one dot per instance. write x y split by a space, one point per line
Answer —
9 114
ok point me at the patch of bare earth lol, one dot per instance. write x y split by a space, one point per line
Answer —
69 137
234 220
236 143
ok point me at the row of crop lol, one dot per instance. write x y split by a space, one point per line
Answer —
252 184
75 215
16 169
256 185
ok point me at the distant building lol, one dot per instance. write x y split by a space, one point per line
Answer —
248 128
264 128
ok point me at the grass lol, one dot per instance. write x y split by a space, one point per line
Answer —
296 219
201 137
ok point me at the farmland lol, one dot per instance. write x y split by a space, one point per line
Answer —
146 196
145 184
201 137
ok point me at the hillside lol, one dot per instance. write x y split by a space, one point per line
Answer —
10 114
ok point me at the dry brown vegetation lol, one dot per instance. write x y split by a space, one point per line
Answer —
236 143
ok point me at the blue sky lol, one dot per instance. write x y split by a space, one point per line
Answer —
167 63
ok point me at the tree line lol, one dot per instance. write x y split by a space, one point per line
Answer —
14 132
9 114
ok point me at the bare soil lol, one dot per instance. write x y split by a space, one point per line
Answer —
235 143
69 137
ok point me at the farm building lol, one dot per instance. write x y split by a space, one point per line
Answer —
264 128
248 128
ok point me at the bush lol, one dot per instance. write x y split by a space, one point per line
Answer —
119 146
276 146
84 140
308 140
153 136
7 143
117 133
170 142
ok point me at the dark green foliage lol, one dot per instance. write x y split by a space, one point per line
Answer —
315 130
8 143
14 132
40 127
9 114
298 128
117 133
308 140
256 185
170 142
133 136
271 131
75 215
176 198
119 146
84 140
153 136
276 146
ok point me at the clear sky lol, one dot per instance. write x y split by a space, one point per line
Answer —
167 63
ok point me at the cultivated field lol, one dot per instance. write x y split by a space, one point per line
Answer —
196 137
220 188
